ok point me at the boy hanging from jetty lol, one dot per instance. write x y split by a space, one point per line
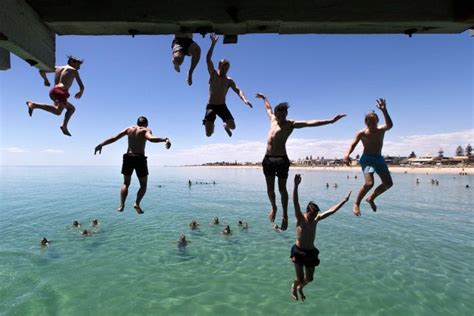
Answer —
372 160
303 253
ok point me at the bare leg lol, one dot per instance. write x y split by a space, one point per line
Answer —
298 281
384 186
209 128
309 272
229 125
284 202
141 192
369 183
56 109
124 192
70 109
271 196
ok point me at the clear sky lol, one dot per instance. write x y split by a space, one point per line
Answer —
427 81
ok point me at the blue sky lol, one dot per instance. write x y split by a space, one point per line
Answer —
427 81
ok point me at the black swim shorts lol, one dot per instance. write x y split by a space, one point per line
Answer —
181 44
305 257
276 165
217 109
135 162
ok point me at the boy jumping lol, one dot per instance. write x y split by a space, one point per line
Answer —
372 160
303 253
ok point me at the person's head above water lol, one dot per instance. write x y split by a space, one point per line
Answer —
182 238
44 241
216 220
142 121
371 120
95 222
76 224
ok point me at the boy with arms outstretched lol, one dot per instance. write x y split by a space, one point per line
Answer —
276 162
303 253
372 160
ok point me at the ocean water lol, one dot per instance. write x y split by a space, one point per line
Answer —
415 256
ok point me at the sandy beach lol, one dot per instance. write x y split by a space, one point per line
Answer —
395 169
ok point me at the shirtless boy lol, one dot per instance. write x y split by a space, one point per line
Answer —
182 46
303 253
219 84
276 162
63 79
135 158
372 160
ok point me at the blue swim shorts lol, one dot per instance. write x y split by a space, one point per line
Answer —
373 163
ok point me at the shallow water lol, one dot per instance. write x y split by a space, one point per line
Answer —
414 256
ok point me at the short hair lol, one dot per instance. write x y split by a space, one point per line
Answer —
224 61
370 116
142 121
313 206
71 59
282 107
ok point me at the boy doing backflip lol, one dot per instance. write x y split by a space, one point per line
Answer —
63 79
372 160
303 253
182 46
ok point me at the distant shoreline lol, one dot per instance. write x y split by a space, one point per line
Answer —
393 169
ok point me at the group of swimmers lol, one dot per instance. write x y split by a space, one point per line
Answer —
95 227
275 162
194 225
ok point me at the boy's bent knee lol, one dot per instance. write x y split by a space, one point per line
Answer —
369 185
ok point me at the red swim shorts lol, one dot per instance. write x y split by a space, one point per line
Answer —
59 94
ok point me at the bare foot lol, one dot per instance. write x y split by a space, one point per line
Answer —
372 204
30 109
227 130
120 208
138 209
284 223
272 214
300 292
65 131
356 210
294 294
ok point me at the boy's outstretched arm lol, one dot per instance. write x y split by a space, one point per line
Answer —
149 137
313 123
240 93
382 105
347 159
299 216
210 65
333 209
268 107
111 140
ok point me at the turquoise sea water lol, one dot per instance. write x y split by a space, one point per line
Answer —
415 256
